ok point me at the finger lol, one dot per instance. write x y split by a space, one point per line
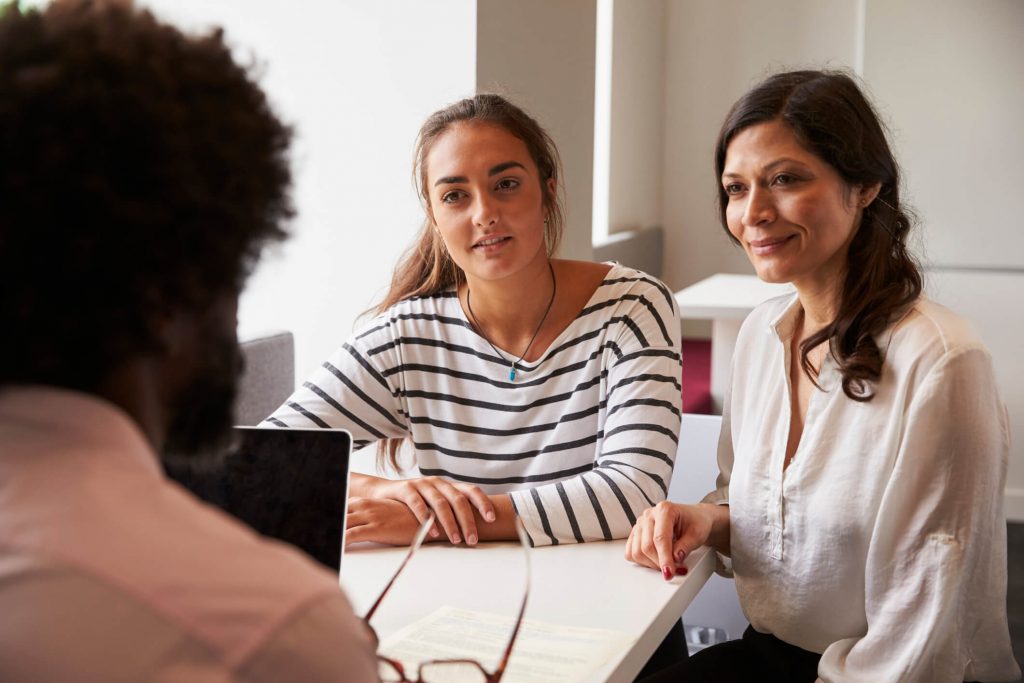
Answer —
663 538
636 551
647 540
628 550
357 534
480 500
419 508
463 510
691 539
442 511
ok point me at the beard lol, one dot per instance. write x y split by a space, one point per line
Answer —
200 431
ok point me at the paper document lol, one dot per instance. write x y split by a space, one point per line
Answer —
543 651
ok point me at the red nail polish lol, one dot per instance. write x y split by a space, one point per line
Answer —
680 571
666 572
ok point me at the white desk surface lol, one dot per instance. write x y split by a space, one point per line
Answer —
589 585
725 295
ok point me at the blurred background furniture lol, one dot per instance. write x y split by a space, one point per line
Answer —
268 378
642 249
725 299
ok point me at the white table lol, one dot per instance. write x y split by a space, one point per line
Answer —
726 300
588 585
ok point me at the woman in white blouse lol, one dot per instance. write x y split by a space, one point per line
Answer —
864 445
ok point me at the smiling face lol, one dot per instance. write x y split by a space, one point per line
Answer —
486 201
791 211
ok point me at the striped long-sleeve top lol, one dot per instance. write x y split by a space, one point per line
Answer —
583 439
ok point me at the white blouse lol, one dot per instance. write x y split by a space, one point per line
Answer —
883 544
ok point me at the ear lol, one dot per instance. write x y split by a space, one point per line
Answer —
867 193
552 186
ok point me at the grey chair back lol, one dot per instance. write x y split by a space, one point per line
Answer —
641 249
268 378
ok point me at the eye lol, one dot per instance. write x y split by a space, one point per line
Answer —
452 196
733 189
507 184
784 179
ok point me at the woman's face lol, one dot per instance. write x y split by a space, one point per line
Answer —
793 214
486 200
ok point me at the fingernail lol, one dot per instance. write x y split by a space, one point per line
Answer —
680 556
681 571
471 539
666 571
489 516
433 533
456 539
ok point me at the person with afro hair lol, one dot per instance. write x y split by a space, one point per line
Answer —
142 172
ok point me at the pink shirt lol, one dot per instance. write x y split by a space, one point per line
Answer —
111 572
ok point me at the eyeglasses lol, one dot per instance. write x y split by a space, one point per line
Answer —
448 670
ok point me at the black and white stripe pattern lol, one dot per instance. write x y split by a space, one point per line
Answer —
584 439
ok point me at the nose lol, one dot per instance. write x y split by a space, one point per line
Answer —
760 208
485 211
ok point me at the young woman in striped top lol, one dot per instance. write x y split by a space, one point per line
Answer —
528 386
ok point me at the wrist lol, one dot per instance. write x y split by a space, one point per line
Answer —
718 536
367 486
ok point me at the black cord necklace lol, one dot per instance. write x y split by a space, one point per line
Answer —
514 366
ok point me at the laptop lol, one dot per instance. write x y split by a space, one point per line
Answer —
288 484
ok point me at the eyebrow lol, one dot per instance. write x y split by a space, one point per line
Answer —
495 170
768 167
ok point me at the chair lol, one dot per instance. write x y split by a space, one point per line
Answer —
715 614
268 378
640 249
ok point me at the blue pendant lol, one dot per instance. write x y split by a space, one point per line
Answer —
512 374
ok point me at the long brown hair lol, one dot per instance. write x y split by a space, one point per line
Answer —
426 268
832 118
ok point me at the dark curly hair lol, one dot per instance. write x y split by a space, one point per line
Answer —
141 171
832 118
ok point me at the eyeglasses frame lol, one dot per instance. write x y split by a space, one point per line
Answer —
499 671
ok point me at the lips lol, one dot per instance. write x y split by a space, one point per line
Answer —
491 242
769 245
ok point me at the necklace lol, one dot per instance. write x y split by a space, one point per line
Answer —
514 366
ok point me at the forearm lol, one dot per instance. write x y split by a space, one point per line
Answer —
503 528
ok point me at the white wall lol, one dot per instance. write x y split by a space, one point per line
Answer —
356 79
949 76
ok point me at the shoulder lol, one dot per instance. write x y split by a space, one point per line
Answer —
417 315
930 334
929 322
625 283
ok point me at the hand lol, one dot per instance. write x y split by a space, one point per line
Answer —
665 534
451 502
379 520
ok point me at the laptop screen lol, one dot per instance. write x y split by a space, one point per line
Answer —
289 484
